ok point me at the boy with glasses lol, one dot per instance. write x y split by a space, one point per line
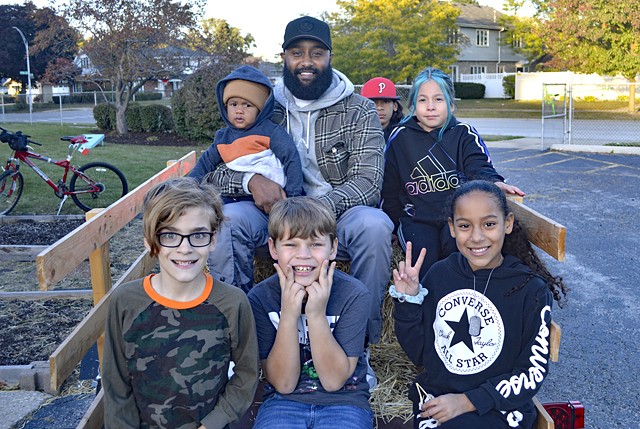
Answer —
171 336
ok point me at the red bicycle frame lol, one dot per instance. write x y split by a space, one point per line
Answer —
60 189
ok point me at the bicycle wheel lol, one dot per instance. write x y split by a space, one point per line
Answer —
97 185
10 190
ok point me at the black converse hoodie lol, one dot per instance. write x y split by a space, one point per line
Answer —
503 367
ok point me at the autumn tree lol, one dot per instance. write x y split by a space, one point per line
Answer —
395 39
49 36
218 38
61 70
133 41
592 36
54 40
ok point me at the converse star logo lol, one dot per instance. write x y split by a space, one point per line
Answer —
460 352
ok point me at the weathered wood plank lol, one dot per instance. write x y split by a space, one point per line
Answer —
94 417
554 341
39 295
545 233
39 218
20 253
59 259
544 420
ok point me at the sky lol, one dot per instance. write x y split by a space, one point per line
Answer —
264 20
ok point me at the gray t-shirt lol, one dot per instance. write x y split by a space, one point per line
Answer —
347 312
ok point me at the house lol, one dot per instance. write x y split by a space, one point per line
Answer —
9 86
481 39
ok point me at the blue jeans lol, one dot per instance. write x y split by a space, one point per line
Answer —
280 413
364 237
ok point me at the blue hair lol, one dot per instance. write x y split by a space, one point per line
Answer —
446 85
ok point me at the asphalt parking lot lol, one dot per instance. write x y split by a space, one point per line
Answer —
596 197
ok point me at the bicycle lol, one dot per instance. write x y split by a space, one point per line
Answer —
93 185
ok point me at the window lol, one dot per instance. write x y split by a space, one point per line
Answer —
453 37
453 71
518 43
478 69
482 37
84 62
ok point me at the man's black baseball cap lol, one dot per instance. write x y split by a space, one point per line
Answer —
307 27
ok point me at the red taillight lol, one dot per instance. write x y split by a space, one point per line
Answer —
566 415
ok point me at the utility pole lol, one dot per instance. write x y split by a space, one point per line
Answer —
26 47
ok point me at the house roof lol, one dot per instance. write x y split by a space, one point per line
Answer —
472 15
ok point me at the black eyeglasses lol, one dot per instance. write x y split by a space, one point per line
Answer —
196 239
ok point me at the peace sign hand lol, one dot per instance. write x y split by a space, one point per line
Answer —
406 276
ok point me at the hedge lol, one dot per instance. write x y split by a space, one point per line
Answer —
468 90
105 116
146 96
149 118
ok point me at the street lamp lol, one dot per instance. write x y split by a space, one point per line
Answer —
26 47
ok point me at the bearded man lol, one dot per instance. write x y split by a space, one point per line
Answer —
341 145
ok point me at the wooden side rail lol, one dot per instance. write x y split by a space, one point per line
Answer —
545 233
544 420
62 257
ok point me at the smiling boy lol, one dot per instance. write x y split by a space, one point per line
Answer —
310 310
171 336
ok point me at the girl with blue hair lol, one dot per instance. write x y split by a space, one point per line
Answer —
428 156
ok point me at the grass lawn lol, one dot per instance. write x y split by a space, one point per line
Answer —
138 163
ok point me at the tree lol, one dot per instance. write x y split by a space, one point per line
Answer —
523 36
593 36
54 39
134 41
48 35
12 54
395 39
61 70
217 37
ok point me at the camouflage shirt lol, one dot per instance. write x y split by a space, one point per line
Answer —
166 363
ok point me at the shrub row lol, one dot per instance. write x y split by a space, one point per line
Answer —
147 96
468 90
149 118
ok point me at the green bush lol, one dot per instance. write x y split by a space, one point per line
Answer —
105 116
21 104
509 86
195 111
155 117
133 117
140 119
146 96
468 90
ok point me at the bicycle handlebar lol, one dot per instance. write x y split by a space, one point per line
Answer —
17 139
